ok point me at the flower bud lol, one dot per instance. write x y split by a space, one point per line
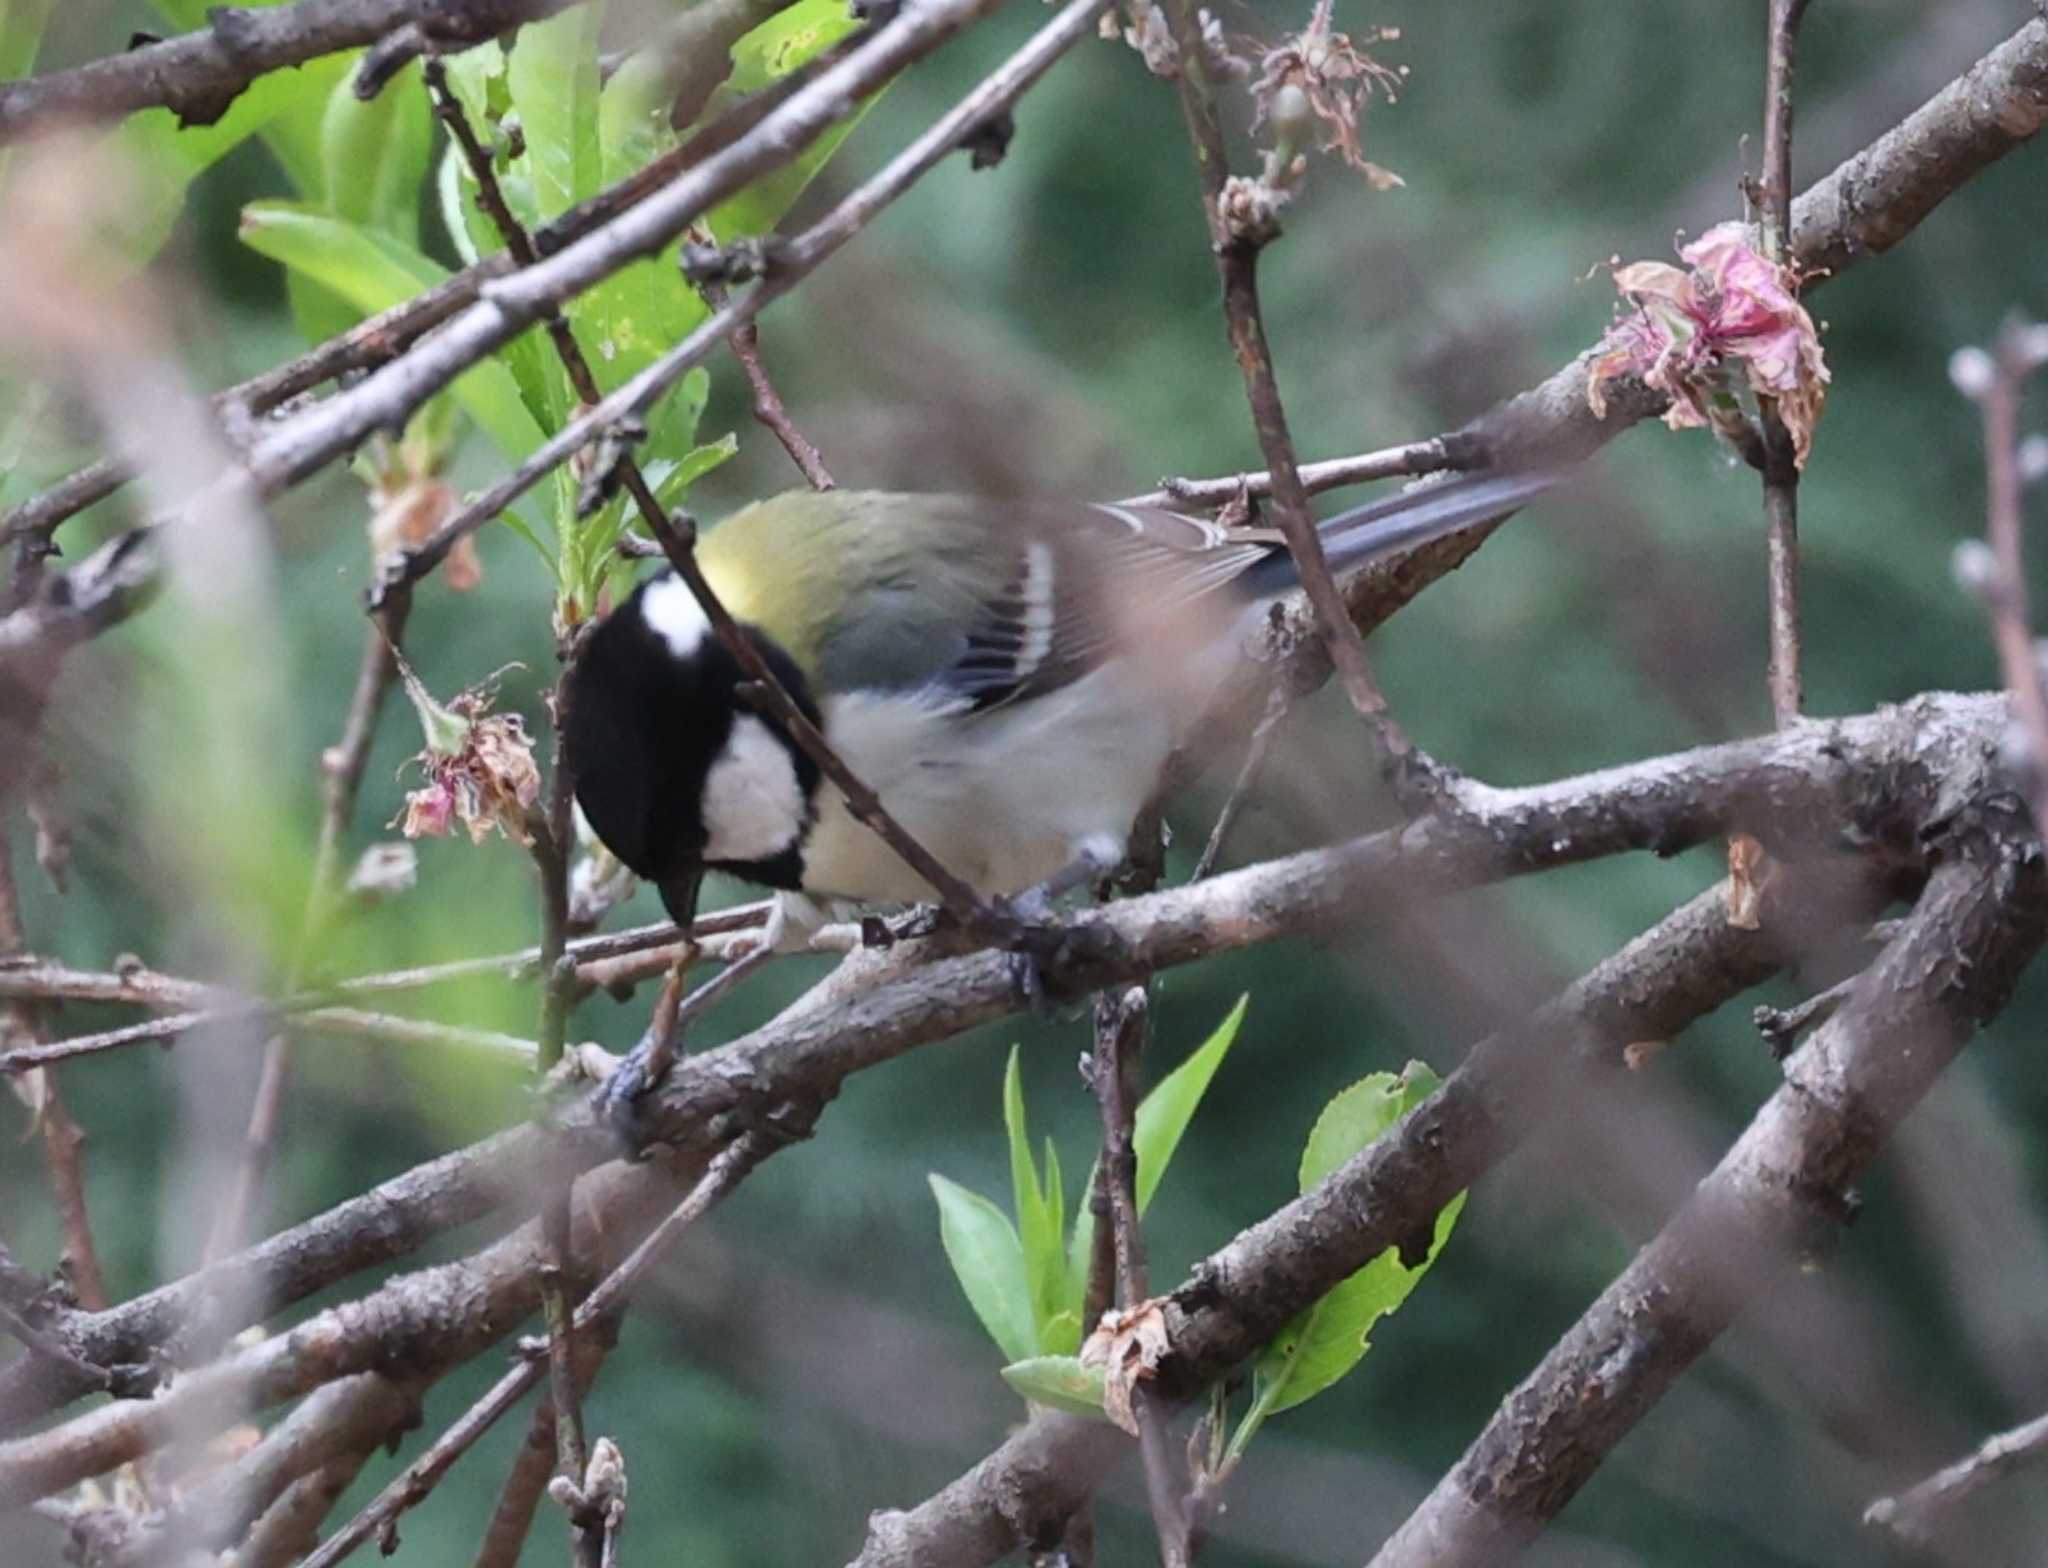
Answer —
1972 372
1975 569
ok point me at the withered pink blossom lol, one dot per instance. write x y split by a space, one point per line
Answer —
479 765
1336 79
1686 327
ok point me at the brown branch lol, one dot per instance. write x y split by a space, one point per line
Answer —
290 1527
725 1172
44 980
1780 468
1507 1087
1779 1193
63 1138
352 1415
1236 241
768 408
1873 777
1122 1023
1394 462
389 1028
1277 706
369 342
1914 1515
512 1518
197 75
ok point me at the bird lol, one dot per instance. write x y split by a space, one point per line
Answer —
1009 677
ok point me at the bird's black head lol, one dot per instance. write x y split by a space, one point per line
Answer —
674 770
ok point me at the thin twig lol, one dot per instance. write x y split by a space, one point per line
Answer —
1393 462
605 962
1236 247
768 408
1261 742
723 1174
512 1518
559 1281
1122 1023
1913 1516
1781 470
389 1028
63 1138
1781 1027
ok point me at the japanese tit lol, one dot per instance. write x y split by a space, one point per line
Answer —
1009 678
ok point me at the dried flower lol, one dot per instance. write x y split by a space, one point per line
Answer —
1321 79
1129 1344
1688 326
479 765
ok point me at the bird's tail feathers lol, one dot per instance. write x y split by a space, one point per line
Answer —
1399 523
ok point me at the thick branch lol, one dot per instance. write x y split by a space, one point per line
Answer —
1782 1190
1680 970
1869 781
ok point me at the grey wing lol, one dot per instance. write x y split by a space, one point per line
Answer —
1018 600
1079 581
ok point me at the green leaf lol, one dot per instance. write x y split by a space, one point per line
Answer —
1039 1226
168 158
672 477
1059 1383
645 308
1324 1343
524 529
553 78
1081 1246
374 154
1060 1334
1360 1114
988 1260
1164 1114
788 39
372 271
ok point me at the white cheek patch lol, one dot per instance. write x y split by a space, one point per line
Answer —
673 612
753 802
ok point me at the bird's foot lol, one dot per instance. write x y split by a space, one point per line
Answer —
1421 785
621 1103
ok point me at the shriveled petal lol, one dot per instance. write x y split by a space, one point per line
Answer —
429 812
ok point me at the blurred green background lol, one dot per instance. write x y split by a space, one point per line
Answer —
1053 327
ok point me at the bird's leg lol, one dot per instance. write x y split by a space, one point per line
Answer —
619 1096
1422 786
